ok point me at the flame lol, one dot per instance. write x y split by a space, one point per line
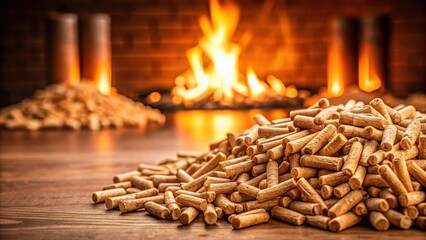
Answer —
74 75
104 84
291 91
257 88
335 75
368 78
214 63
276 84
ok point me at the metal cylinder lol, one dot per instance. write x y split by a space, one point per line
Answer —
342 55
95 50
62 48
373 55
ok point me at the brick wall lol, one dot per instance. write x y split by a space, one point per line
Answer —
150 38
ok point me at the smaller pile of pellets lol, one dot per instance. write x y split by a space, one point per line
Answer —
79 106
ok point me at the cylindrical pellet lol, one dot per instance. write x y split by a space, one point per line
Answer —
311 195
377 204
341 190
381 107
418 173
157 210
125 176
388 139
351 162
288 215
412 198
345 204
305 208
398 219
390 198
357 179
319 140
210 215
410 135
112 202
100 196
335 144
324 162
401 171
318 221
188 215
191 201
369 147
249 220
343 222
392 180
183 176
130 205
378 221
272 174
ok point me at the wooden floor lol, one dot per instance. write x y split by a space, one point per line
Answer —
47 179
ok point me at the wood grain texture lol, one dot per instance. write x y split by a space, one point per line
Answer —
47 179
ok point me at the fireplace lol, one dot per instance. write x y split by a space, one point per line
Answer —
285 40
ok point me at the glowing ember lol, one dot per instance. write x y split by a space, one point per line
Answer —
368 79
154 97
218 78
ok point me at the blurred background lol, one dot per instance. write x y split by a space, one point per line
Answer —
290 40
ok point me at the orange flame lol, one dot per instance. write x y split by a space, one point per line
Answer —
103 82
74 75
217 78
368 78
276 84
335 75
257 88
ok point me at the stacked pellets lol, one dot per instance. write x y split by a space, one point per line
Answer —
76 107
329 167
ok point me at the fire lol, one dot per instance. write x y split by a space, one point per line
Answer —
335 75
103 82
368 78
257 88
214 63
276 84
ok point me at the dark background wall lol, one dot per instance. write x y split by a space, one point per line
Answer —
150 38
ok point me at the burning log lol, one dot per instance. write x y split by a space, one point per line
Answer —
310 174
79 106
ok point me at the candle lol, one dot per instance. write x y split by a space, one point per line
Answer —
373 53
95 51
62 48
341 59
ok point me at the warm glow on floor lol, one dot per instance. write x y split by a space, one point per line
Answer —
200 126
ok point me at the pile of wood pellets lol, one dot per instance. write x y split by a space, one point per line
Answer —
79 106
330 167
